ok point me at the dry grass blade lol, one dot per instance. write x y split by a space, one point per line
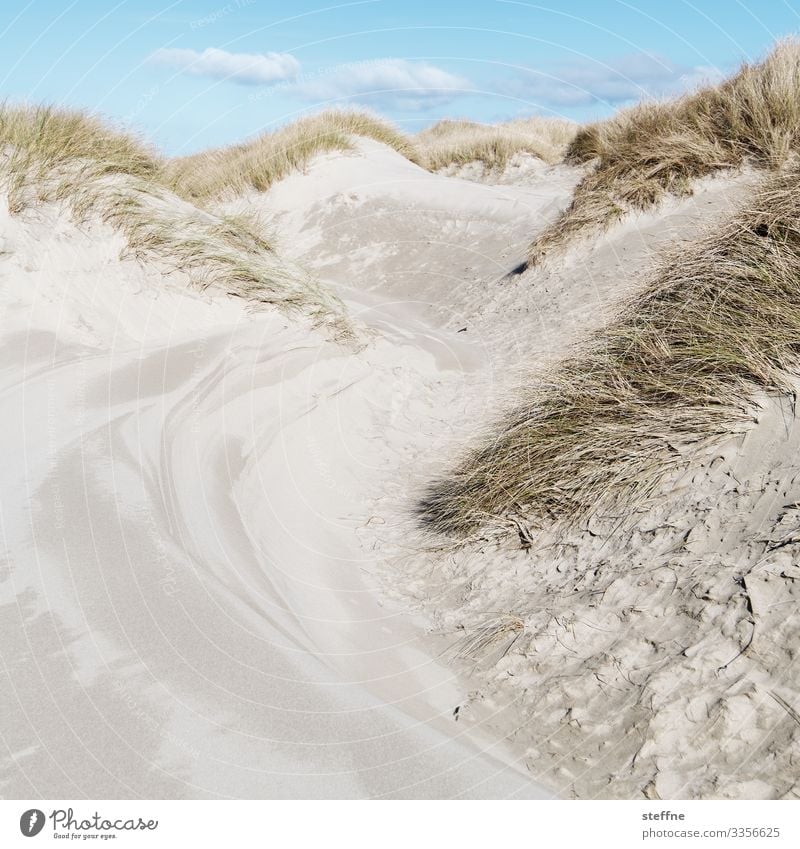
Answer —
786 706
677 370
496 635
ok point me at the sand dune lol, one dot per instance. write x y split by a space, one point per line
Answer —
187 609
215 582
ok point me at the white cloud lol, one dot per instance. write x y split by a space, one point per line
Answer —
625 78
698 76
245 68
385 83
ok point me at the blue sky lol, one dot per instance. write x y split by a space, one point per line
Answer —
189 74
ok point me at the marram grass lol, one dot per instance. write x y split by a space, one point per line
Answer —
456 143
58 155
658 148
677 371
258 164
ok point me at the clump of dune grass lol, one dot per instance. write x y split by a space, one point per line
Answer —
69 157
222 252
458 143
677 371
655 149
36 141
258 164
494 637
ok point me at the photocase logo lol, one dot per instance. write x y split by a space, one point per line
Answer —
64 820
31 822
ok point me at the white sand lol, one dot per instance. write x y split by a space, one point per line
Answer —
213 582
186 609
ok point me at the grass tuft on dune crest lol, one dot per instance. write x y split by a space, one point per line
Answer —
36 141
457 143
64 156
654 149
260 163
677 371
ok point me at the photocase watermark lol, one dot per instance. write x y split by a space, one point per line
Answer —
306 81
322 466
218 14
141 104
54 425
31 822
67 826
144 715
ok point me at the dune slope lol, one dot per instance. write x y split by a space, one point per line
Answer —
186 608
659 149
626 645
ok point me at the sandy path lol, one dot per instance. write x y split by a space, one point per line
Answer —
185 606
645 664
